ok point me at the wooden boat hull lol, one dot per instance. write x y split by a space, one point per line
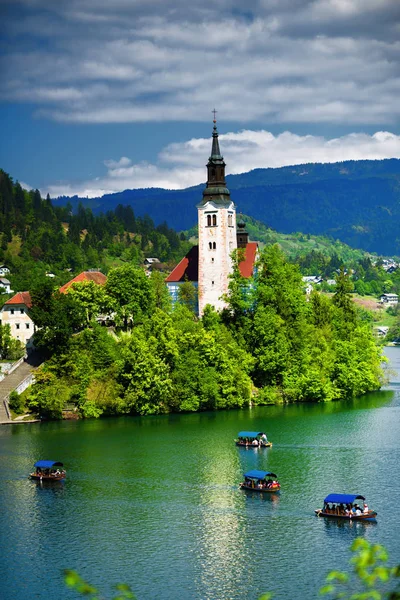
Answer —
369 516
47 477
267 445
269 490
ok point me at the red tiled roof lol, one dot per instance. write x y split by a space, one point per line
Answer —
21 298
95 276
247 265
187 269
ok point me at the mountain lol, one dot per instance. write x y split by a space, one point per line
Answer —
357 202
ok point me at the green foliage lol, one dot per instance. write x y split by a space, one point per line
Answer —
74 581
187 295
10 348
371 579
16 403
129 295
303 351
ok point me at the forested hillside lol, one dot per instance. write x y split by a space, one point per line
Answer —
357 202
38 238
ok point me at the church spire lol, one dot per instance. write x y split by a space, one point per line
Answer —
215 151
216 187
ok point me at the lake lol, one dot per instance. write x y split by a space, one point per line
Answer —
154 502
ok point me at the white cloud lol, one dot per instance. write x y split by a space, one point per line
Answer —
180 165
116 164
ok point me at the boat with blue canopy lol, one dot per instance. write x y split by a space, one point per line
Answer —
48 470
260 481
345 506
252 439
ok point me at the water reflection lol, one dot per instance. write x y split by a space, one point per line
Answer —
272 498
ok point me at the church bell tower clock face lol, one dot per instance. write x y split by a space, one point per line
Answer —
217 232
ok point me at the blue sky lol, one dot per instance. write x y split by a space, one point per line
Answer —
101 95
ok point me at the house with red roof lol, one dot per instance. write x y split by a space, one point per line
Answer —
95 276
15 313
208 265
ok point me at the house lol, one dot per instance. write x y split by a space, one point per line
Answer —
381 331
15 313
151 261
4 270
389 299
96 276
6 285
209 265
315 279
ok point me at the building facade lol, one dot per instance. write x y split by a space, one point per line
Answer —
15 313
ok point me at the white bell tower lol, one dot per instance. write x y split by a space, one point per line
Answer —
217 232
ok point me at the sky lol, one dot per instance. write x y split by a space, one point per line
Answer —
99 96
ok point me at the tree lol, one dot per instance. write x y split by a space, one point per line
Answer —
56 317
187 295
10 348
162 297
89 297
344 303
130 295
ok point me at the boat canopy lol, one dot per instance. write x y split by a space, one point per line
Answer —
249 434
47 464
343 498
255 474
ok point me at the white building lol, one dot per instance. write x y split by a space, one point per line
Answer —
389 299
6 285
15 313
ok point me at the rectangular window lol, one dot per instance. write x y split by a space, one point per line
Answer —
27 325
22 311
12 311
17 325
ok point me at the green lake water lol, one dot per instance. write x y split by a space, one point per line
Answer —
155 502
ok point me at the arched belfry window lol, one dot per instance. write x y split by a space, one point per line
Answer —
214 246
210 245
229 220
208 220
214 220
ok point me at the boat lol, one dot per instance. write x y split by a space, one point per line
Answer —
344 506
264 482
48 470
252 439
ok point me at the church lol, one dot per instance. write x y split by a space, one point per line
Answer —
208 265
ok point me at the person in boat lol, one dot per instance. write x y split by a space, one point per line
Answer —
263 439
254 443
366 508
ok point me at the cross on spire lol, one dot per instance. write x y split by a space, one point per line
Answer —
214 112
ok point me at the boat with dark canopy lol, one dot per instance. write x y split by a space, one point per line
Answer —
260 481
252 439
345 506
48 470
